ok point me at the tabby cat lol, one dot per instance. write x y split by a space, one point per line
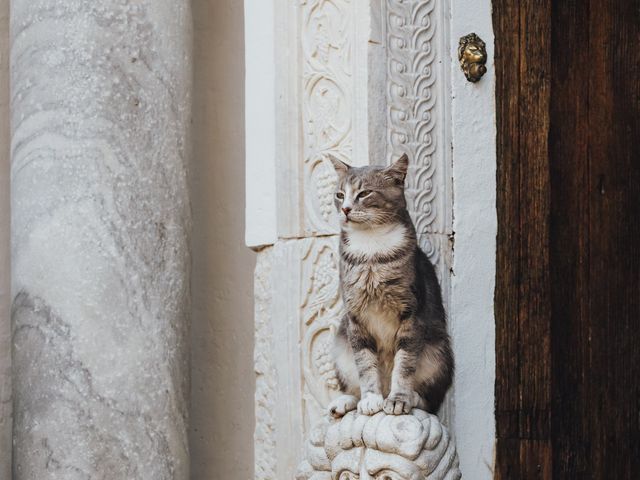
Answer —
392 351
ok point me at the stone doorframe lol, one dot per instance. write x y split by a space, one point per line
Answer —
364 80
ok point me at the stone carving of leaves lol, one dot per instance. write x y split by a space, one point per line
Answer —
411 102
321 311
326 102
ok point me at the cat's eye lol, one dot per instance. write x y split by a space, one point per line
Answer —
364 193
340 196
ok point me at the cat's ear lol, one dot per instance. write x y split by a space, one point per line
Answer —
398 169
340 167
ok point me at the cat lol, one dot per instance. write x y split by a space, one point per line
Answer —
392 351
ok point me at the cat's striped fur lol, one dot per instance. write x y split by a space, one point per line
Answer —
392 350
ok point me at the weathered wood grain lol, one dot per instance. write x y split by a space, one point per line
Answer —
522 293
568 259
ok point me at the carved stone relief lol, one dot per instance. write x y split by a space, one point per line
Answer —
321 310
380 447
415 120
265 398
297 296
327 73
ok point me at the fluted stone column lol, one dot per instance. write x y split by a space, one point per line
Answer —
100 238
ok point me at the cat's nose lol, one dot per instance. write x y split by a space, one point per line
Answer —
346 210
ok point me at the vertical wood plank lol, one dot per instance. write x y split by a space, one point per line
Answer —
507 58
568 151
594 238
614 206
523 355
568 286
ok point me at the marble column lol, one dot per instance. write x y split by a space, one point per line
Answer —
5 297
100 238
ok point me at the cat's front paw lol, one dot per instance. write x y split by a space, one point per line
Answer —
342 405
370 404
400 403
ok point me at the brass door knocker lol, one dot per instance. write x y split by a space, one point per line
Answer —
472 54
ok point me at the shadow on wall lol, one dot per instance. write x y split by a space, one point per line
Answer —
222 389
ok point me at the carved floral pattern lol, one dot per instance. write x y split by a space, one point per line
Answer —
265 398
412 113
321 312
326 27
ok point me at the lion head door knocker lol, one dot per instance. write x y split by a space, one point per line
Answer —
472 54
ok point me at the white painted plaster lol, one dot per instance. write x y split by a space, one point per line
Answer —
222 381
260 134
475 225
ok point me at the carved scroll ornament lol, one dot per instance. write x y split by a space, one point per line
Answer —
380 447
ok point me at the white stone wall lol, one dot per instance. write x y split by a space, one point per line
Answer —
260 126
475 224
222 380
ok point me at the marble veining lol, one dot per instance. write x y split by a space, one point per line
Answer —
100 111
5 294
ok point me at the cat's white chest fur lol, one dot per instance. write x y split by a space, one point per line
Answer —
375 241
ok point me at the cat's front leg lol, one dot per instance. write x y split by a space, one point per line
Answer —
364 351
403 397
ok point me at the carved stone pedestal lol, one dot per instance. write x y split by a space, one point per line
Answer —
381 447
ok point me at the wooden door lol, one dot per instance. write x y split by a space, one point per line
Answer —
568 260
